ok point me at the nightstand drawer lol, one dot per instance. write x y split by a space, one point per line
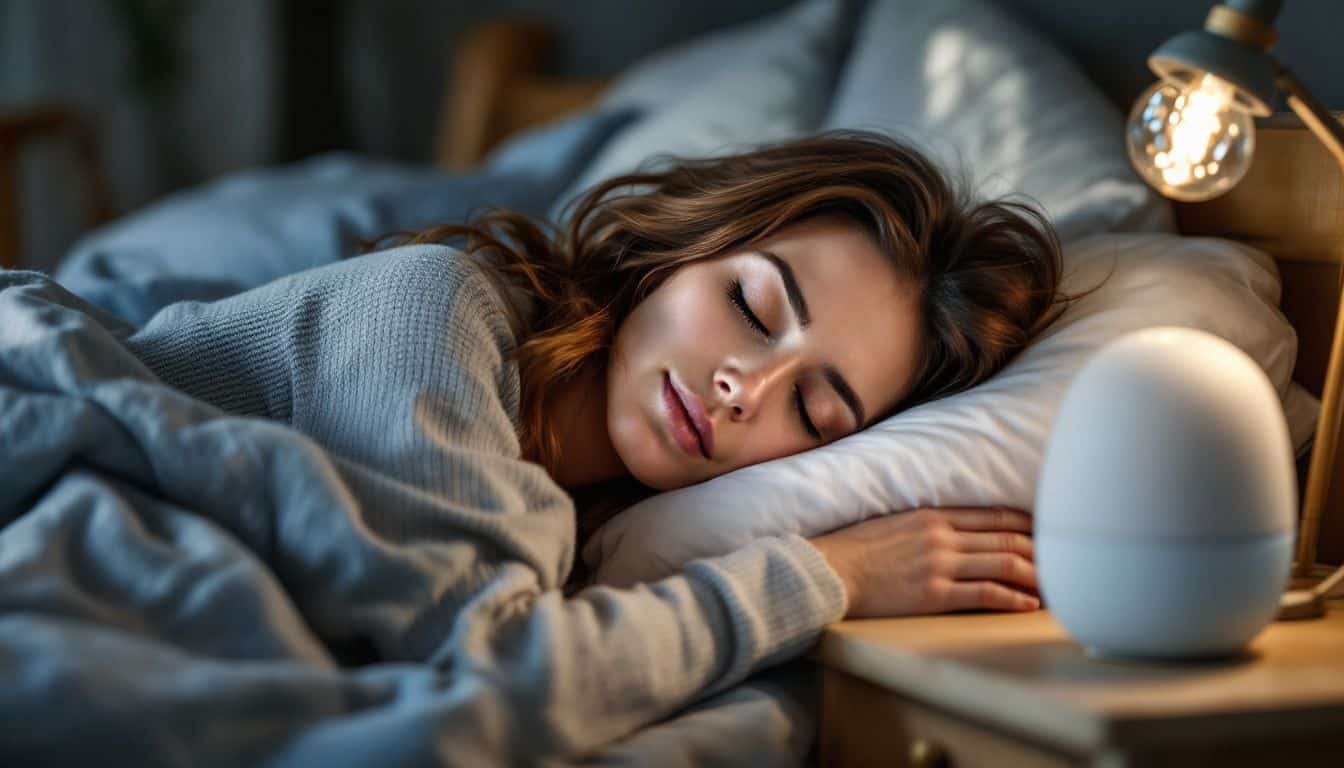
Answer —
864 724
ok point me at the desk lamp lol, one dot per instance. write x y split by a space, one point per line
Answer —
1191 137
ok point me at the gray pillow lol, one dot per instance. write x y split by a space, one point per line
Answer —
556 152
673 72
776 86
991 98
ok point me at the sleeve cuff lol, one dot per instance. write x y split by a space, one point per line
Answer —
779 593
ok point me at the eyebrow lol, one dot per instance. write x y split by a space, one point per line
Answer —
796 299
800 310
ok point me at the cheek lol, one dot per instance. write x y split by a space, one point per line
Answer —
679 326
690 318
673 328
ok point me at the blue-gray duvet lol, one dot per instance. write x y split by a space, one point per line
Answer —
166 584
163 598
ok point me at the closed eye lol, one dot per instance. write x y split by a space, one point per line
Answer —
739 302
802 413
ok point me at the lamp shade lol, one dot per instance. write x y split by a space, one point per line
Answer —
1185 58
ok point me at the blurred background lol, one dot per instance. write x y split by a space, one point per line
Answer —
180 91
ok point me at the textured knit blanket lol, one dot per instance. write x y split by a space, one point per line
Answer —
291 528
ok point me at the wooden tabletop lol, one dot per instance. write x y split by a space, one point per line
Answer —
1023 673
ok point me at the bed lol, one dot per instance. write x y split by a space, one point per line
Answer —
1289 207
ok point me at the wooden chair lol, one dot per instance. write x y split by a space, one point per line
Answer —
497 86
18 129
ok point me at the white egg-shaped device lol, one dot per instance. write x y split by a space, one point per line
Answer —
1165 510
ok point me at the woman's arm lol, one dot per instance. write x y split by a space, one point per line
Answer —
446 582
935 560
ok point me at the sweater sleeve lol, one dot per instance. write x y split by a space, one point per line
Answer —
451 550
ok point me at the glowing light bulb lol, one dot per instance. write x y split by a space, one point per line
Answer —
1193 143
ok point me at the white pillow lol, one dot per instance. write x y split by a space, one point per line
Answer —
985 94
979 447
776 87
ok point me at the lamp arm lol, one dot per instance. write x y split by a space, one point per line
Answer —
1326 128
1331 133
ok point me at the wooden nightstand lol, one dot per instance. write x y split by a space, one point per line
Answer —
998 689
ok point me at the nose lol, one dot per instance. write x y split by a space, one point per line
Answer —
742 387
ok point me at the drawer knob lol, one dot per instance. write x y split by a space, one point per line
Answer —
929 754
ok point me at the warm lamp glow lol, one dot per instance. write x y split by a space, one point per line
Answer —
1192 144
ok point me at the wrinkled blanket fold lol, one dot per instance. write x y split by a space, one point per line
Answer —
154 604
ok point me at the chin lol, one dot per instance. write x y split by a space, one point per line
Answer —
646 458
658 475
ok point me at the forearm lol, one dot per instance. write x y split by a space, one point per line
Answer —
597 667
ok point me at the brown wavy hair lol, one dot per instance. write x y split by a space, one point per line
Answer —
988 272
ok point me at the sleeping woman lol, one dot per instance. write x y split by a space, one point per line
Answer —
685 323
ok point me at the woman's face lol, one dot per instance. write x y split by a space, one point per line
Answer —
773 349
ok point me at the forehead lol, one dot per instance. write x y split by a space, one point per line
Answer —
864 312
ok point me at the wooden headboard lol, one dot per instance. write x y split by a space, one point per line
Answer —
1290 205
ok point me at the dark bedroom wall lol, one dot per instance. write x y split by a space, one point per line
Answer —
399 49
1111 40
176 92
268 81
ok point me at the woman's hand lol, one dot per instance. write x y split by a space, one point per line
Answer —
935 560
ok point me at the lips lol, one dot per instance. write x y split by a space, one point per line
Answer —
690 425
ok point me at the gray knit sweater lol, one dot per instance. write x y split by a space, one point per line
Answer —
397 363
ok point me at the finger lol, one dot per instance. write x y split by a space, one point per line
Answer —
987 519
1002 567
998 541
988 595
